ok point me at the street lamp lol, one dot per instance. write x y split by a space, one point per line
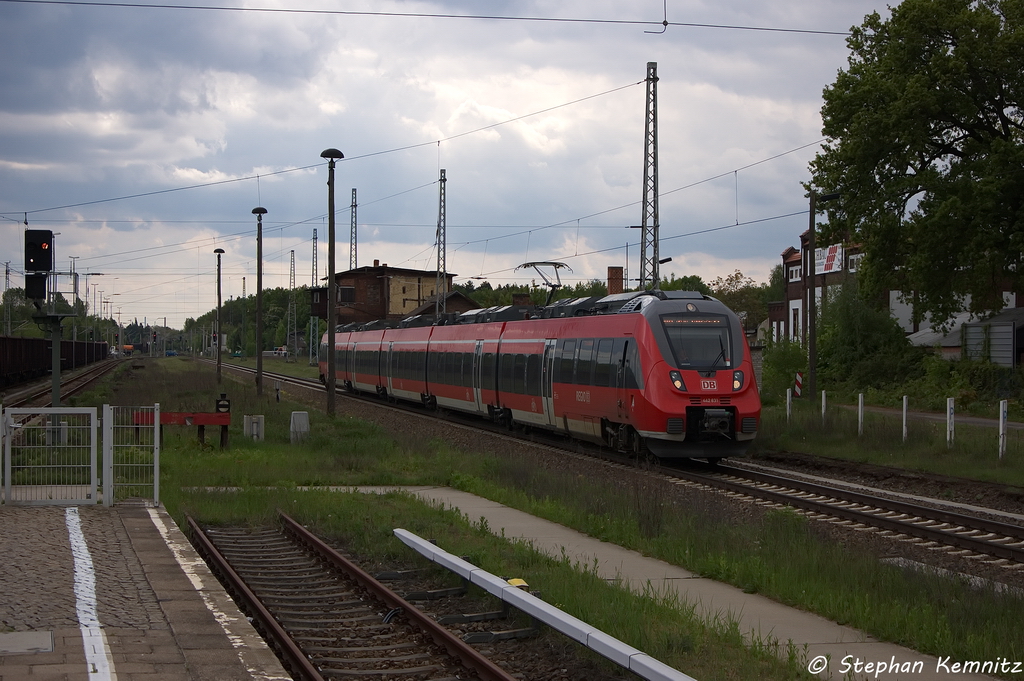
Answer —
812 307
332 155
259 212
220 341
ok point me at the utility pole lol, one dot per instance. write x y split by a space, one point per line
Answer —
313 326
812 303
332 155
291 309
7 304
649 259
259 212
440 287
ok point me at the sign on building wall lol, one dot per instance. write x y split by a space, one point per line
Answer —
828 260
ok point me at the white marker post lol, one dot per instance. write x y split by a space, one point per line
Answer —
789 405
906 406
1003 413
949 422
822 407
860 414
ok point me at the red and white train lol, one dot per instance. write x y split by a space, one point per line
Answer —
664 371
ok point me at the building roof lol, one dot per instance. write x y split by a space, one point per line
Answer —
428 305
1010 314
929 337
369 269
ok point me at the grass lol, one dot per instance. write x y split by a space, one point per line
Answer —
974 454
778 554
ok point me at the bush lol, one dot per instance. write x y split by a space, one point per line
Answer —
782 359
861 347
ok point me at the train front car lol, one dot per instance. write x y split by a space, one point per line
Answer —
700 394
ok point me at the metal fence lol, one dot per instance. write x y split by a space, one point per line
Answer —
131 454
50 456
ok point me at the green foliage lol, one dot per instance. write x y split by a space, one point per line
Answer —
691 282
744 296
486 295
977 386
925 146
781 361
861 347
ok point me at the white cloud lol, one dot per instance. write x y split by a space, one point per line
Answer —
135 102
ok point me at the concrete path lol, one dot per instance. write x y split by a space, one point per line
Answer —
828 643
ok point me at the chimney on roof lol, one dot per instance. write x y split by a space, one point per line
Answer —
376 263
615 283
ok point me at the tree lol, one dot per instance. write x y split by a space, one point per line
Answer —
744 296
691 282
926 147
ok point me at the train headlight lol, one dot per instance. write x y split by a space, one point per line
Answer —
677 380
737 380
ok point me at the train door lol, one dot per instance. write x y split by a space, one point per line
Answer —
546 380
621 353
478 354
388 368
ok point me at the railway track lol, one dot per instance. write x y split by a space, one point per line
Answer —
71 384
327 618
970 536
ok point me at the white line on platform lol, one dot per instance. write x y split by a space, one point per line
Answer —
97 652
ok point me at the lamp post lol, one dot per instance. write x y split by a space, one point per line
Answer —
332 155
220 341
259 212
812 307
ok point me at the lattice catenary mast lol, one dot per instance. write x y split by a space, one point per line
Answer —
441 286
649 238
352 235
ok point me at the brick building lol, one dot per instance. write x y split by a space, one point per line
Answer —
368 294
834 265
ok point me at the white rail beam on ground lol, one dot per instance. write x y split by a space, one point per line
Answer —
626 656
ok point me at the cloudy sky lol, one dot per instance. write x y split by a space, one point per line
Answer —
145 136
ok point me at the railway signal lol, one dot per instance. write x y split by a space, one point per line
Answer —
38 250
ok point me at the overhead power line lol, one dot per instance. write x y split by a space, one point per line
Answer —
26 213
428 15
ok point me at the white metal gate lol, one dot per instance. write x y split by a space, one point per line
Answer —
131 455
50 455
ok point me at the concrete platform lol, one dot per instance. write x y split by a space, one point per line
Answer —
91 593
828 643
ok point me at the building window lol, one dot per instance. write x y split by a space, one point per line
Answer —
794 272
855 261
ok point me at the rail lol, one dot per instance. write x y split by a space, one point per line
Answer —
609 647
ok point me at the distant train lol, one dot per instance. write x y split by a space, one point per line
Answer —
667 372
24 359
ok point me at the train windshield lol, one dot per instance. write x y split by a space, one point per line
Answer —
699 341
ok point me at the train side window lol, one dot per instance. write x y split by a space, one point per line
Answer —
603 366
487 371
467 369
585 363
449 368
506 367
433 367
533 363
563 374
634 372
519 375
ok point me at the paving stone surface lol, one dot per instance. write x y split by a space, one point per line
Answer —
149 609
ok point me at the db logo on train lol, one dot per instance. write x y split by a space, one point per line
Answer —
709 385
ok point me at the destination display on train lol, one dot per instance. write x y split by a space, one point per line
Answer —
704 320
